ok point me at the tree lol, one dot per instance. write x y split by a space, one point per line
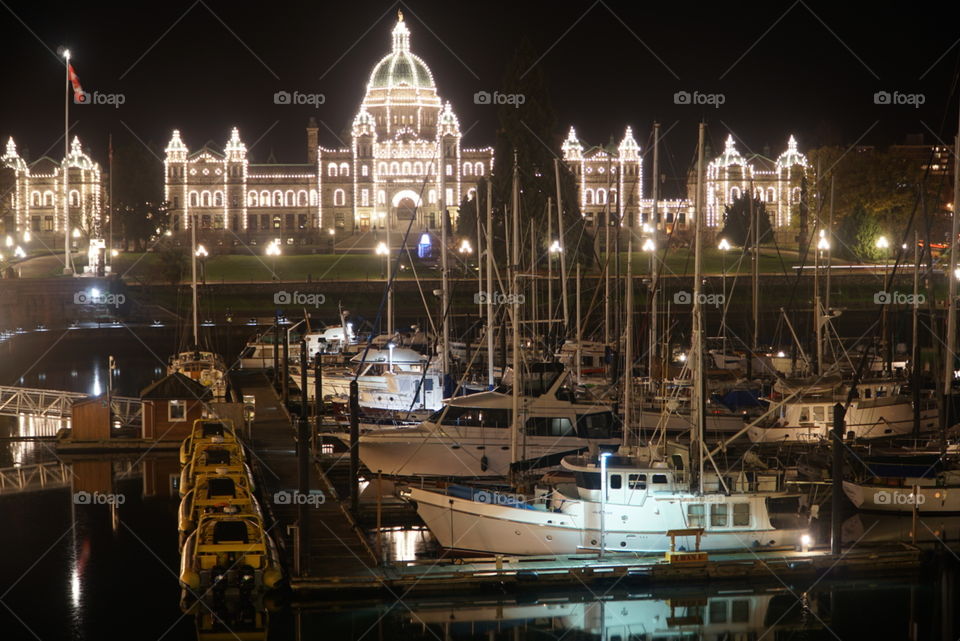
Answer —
138 192
737 224
858 233
141 221
172 265
529 130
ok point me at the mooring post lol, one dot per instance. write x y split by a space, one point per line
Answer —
276 346
836 542
303 465
354 445
318 395
286 368
304 406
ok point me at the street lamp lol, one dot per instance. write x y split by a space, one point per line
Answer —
9 241
465 247
333 240
19 253
202 255
382 250
883 243
724 247
273 250
26 236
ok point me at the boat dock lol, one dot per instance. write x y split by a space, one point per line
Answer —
340 559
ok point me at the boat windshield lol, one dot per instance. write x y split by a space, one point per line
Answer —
541 378
471 417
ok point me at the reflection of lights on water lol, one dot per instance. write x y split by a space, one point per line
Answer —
404 543
75 587
97 389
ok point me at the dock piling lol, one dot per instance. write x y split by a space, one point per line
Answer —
354 445
836 542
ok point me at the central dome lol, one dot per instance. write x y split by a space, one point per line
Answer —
400 68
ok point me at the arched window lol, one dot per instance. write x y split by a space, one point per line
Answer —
253 200
432 196
289 200
449 170
205 198
758 193
218 199
381 197
588 196
771 195
193 199
395 168
264 198
382 168
364 170
601 196
344 169
339 198
35 199
313 197
405 169
301 198
418 168
479 169
471 193
278 198
467 169
48 199
332 169
74 198
734 193
613 196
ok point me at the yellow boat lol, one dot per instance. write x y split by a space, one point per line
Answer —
213 458
229 550
206 431
213 494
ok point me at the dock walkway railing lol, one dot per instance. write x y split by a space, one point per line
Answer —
40 476
58 404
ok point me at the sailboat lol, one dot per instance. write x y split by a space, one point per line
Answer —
643 499
203 366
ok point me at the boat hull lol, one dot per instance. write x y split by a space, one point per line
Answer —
903 500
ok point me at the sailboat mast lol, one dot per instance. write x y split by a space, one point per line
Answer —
697 408
628 348
193 279
563 249
654 350
579 330
949 358
515 310
445 291
489 297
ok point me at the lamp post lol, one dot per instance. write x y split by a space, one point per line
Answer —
383 250
554 250
724 247
202 255
333 240
273 250
465 250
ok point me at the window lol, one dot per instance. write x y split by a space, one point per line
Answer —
741 514
479 169
450 200
449 170
588 197
472 417
339 197
74 198
193 199
218 199
804 414
544 426
176 411
659 479
718 515
467 169
332 169
637 481
616 481
278 198
35 199
695 515
364 170
289 200
301 198
405 168
344 169
313 197
718 611
818 414
598 425
365 197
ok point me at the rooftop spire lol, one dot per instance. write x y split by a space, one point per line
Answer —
401 35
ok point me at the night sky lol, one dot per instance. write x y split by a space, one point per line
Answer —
806 68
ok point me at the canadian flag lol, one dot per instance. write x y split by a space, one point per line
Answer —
78 95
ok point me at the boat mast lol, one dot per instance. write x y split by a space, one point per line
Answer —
515 309
549 266
654 351
696 334
628 348
563 249
949 358
489 297
817 314
193 278
915 332
445 291
579 343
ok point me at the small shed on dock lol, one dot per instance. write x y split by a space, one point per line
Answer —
171 405
90 419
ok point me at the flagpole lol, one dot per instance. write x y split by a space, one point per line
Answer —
67 263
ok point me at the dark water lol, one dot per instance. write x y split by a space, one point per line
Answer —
71 571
